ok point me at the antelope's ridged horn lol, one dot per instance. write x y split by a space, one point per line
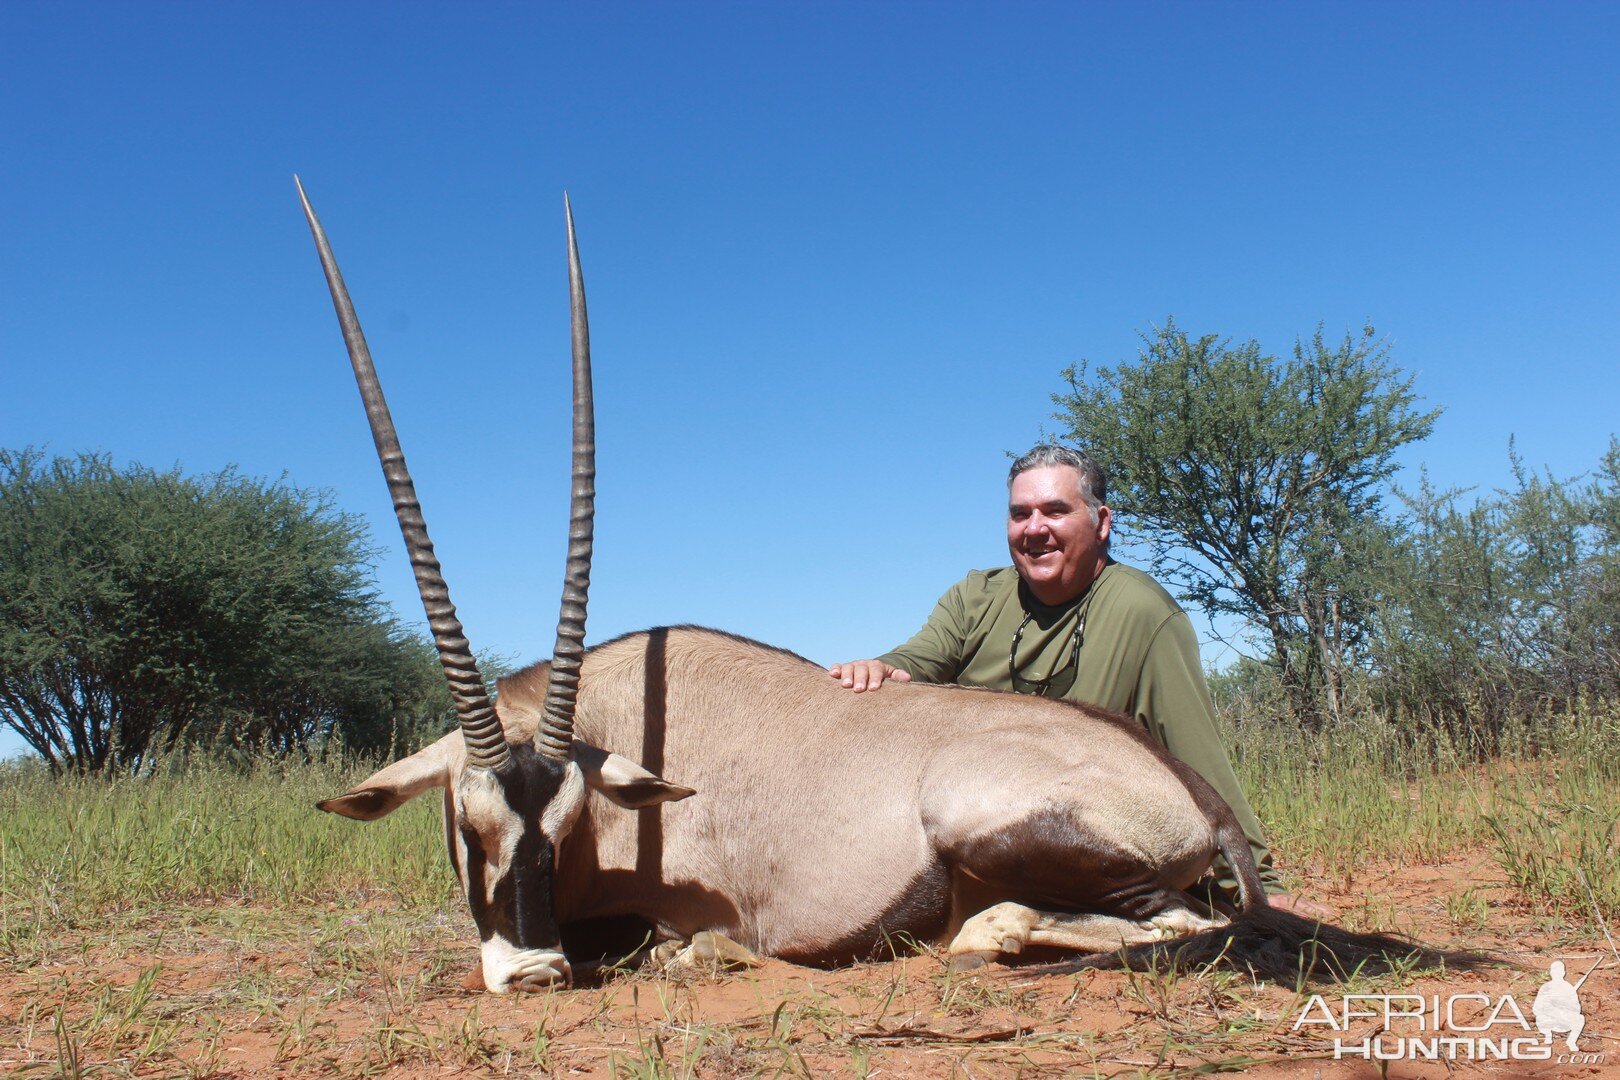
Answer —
481 728
555 736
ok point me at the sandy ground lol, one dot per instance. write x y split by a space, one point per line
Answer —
235 990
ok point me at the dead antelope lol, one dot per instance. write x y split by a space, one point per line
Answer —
823 822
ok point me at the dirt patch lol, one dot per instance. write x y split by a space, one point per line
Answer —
237 990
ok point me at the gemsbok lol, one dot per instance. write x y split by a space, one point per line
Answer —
799 820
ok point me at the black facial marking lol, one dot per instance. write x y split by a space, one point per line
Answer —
520 910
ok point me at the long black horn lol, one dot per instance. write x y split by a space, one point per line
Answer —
486 743
555 736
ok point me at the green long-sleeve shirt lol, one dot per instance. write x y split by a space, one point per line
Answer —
1139 656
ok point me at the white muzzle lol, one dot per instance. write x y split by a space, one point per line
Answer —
508 968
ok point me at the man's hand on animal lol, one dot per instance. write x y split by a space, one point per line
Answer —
861 675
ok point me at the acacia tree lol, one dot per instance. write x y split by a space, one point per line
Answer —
1257 482
142 609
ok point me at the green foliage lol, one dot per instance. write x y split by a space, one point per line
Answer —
1258 482
145 611
1505 605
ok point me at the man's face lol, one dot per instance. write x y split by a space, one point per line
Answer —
1057 548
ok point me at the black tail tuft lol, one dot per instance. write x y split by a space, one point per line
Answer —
1269 943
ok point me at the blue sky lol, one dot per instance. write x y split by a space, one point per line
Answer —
837 255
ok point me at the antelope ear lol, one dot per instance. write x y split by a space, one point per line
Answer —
393 786
624 782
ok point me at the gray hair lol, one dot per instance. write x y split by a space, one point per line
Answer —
1093 480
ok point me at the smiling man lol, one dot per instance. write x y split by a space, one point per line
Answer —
1067 621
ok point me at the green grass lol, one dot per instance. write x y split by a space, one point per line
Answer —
1548 807
78 850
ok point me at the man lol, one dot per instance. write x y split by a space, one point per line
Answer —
1067 621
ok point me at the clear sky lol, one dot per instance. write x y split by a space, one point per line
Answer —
837 255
